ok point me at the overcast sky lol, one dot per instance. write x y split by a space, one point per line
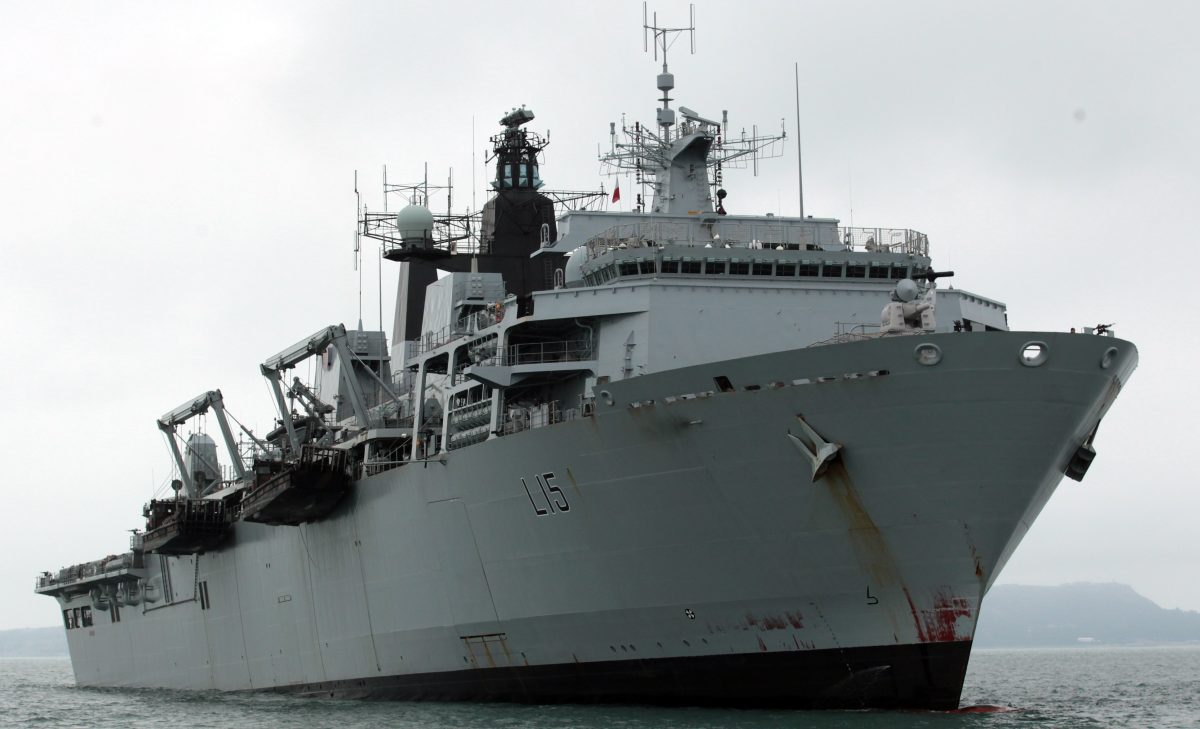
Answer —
176 205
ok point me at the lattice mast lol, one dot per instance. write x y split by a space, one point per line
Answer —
666 160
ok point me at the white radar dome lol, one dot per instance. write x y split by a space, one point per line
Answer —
573 268
906 290
415 224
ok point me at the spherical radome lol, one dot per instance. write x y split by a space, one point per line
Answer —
414 223
573 268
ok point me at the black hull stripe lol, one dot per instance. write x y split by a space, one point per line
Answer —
924 676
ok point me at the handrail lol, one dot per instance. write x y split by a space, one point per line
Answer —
566 350
464 327
765 235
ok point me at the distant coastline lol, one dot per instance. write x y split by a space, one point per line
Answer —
33 643
1014 616
1079 614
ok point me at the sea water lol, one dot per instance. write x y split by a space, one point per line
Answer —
1156 687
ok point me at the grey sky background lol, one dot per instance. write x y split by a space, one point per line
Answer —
176 205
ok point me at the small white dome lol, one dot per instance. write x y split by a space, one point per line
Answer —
573 268
415 224
906 290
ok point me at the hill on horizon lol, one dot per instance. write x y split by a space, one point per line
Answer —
33 642
1028 616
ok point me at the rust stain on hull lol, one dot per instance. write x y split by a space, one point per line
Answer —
941 623
775 622
936 624
865 536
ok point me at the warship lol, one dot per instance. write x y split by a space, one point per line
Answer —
675 455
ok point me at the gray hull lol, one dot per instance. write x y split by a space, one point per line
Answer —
673 547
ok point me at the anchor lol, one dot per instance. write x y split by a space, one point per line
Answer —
819 452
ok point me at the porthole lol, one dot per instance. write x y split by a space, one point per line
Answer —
1107 358
928 354
1034 354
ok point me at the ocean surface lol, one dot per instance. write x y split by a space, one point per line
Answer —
1155 687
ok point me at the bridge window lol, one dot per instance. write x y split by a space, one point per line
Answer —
714 267
878 271
690 267
762 269
628 268
899 272
785 269
85 616
669 266
831 270
646 267
739 269
810 269
855 270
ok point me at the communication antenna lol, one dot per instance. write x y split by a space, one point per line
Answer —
660 34
647 152
357 211
799 161
664 38
358 245
473 163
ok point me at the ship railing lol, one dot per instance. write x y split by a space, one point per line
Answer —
196 516
765 235
113 565
567 350
452 233
538 417
402 384
471 414
464 327
885 240
386 459
851 332
323 459
852 328
641 235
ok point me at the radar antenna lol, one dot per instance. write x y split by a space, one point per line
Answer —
696 141
664 38
516 152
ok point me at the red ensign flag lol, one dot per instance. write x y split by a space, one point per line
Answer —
617 192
